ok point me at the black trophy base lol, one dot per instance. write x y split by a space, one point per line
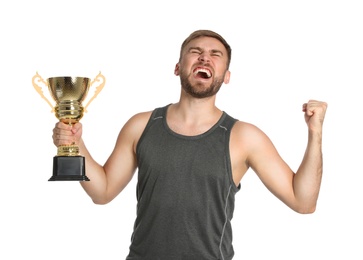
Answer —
69 168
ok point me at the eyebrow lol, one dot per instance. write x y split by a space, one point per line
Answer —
200 49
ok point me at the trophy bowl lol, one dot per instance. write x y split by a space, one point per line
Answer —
68 93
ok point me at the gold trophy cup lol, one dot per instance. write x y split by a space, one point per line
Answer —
68 93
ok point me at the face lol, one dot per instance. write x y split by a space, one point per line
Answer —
203 67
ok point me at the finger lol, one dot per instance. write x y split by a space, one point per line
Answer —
308 108
304 107
76 127
61 131
61 139
62 125
314 106
311 107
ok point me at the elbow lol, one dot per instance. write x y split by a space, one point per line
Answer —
100 198
306 209
100 201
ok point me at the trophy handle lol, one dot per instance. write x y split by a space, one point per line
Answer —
37 78
99 78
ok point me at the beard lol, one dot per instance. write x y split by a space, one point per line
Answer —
198 90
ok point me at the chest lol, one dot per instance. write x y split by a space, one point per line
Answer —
172 160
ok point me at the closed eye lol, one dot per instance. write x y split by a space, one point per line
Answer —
195 50
216 53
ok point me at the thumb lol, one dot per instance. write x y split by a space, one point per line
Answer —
76 127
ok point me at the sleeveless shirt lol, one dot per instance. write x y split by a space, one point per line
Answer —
185 193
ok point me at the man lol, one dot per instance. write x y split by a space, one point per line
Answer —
191 157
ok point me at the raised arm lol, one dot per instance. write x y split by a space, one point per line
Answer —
308 177
298 190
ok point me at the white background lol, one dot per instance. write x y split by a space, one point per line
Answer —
284 53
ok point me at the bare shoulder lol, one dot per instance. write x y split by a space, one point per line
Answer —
137 123
248 137
244 130
134 127
139 120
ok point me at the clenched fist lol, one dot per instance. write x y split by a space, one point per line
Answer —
64 134
314 114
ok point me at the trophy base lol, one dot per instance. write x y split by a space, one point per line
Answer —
69 168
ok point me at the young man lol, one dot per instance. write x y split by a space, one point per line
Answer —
191 157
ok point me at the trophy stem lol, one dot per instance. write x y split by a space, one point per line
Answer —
68 150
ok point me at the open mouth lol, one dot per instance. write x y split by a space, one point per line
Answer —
202 73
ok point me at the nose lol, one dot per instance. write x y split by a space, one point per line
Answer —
204 57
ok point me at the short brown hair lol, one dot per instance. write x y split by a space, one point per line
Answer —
207 33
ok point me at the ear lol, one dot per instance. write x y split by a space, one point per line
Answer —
227 77
176 70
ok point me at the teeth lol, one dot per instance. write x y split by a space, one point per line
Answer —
202 71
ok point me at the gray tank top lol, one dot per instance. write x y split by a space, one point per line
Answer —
185 193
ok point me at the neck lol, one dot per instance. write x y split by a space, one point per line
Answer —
193 116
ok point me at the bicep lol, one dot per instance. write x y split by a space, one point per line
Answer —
119 167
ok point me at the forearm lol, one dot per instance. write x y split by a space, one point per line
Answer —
96 187
307 179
